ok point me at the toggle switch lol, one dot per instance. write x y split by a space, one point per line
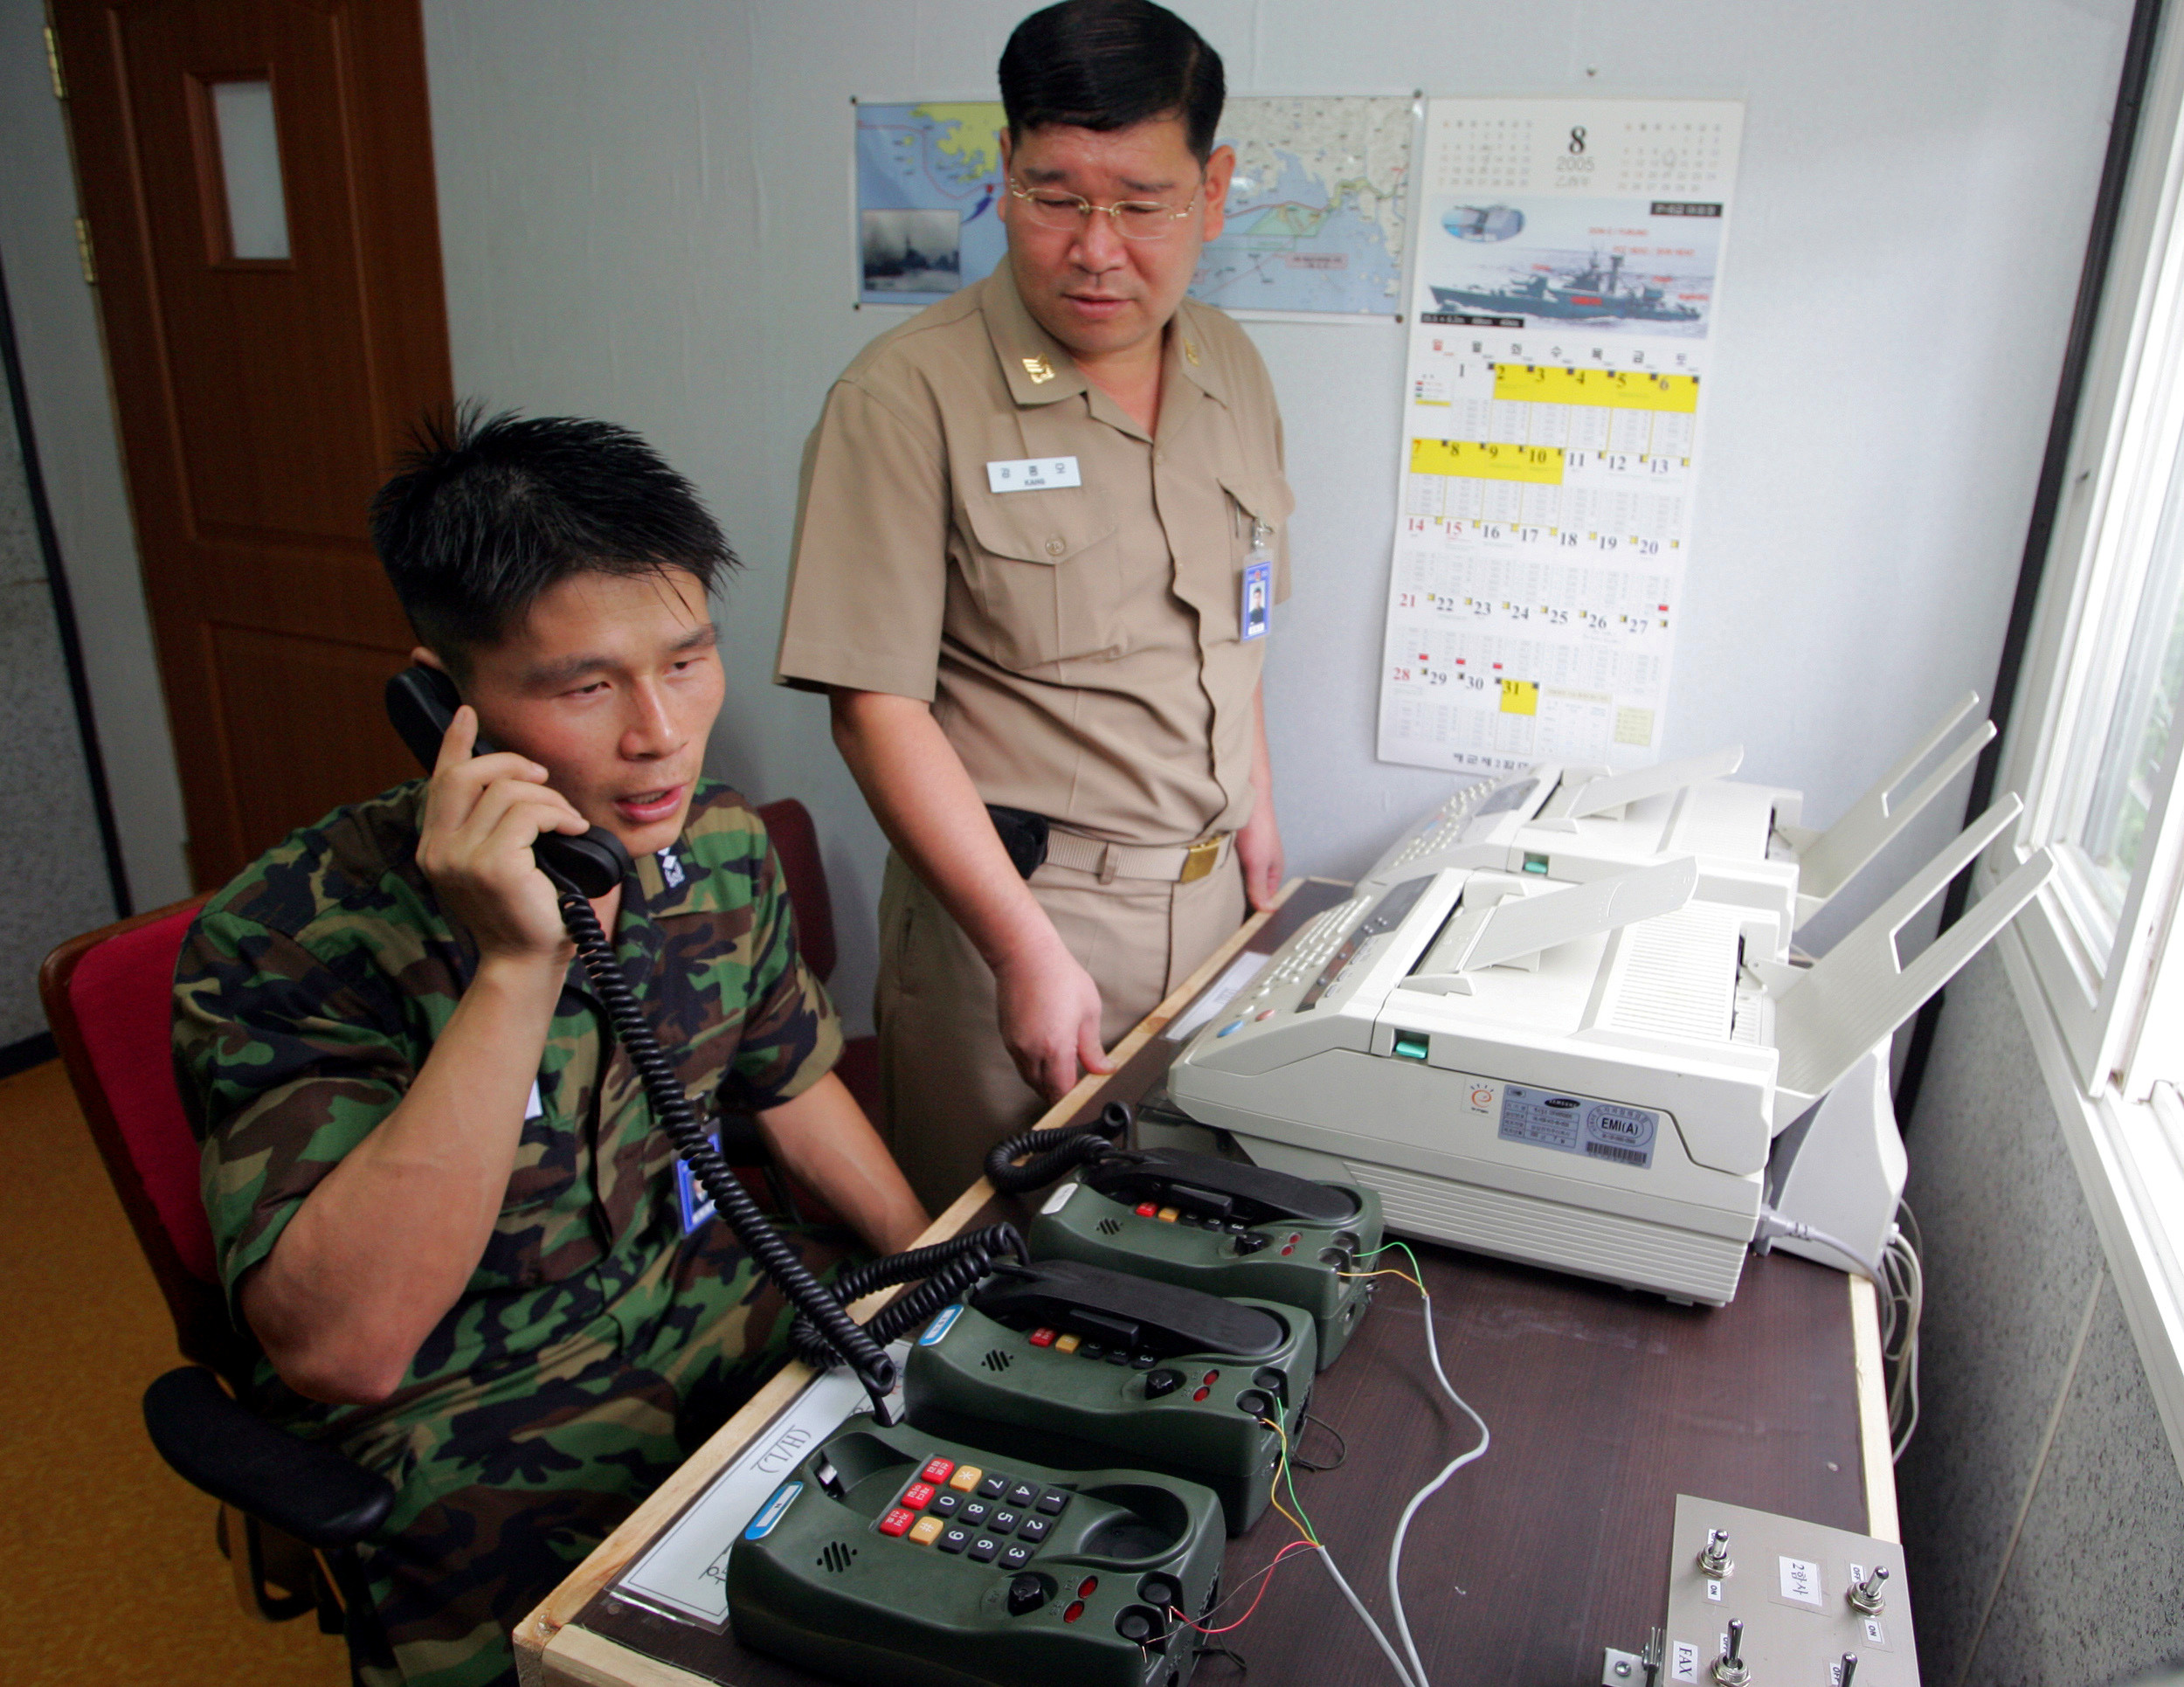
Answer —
1715 1559
1867 1595
1728 1668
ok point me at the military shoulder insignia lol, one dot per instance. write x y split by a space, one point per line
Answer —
1191 353
1038 369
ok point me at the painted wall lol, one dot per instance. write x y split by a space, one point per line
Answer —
2043 1511
65 377
646 216
56 882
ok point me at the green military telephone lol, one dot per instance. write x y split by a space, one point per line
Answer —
1071 1363
891 1555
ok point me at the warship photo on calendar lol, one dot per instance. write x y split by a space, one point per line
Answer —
1620 266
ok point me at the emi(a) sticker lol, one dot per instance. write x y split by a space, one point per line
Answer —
1572 1124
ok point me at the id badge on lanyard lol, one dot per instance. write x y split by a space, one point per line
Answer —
697 1205
1254 603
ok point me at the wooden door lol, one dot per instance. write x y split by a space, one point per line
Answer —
266 376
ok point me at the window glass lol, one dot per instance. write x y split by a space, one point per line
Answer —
2141 708
250 168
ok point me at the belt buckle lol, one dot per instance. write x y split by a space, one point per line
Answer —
1198 860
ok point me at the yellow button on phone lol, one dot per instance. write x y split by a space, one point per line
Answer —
926 1530
967 1477
1066 1344
1168 1215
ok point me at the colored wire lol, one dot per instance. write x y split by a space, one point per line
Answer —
1264 1577
1282 1474
1390 1272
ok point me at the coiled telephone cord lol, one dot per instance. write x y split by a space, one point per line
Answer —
949 1268
671 1109
1060 1149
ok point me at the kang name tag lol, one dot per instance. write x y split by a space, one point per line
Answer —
1033 475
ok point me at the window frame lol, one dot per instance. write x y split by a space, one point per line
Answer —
2105 1012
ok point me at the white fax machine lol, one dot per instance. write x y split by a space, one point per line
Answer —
1583 1066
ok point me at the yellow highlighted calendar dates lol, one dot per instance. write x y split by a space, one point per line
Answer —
1541 465
1612 388
1519 697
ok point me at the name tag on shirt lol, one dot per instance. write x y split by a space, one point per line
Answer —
1033 475
697 1205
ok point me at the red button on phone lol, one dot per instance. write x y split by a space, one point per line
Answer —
1086 1587
1146 1210
897 1521
1075 1610
918 1496
1201 1393
937 1470
1043 1337
1212 1377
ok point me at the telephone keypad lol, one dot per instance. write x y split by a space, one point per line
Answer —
983 1549
945 1505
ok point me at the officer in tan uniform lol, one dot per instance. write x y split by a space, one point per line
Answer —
1039 526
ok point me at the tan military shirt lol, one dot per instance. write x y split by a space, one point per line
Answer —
1079 644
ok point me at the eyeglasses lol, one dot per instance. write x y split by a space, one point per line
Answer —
1135 219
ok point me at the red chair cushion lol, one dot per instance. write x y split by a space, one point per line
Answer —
122 992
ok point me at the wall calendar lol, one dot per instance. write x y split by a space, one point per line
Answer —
1562 306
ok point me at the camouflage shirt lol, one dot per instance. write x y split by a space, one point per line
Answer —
309 993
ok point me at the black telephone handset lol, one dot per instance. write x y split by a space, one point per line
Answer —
1208 1187
422 701
1131 1313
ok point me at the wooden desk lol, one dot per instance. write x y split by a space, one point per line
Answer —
1605 1405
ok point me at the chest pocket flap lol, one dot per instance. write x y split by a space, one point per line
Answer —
1260 496
1042 571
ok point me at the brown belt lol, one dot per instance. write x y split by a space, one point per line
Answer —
1169 863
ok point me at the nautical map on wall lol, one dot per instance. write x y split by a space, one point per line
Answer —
1316 213
1562 314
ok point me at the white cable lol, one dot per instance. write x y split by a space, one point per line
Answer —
1900 1348
1774 1225
1395 1551
1358 1605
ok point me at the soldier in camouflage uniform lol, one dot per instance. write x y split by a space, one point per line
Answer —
438 1198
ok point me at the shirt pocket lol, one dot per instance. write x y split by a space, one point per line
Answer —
1042 567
